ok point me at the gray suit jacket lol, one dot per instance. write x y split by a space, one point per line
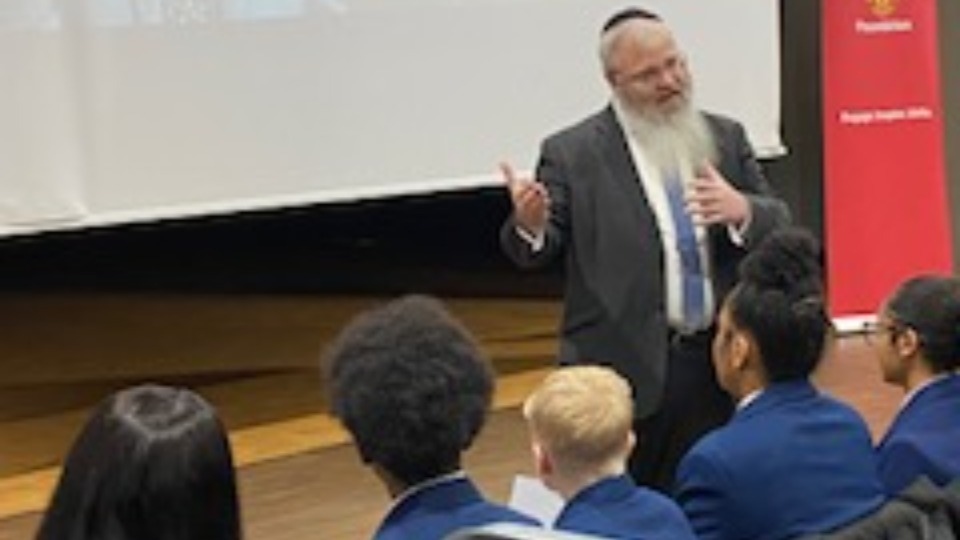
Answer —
614 298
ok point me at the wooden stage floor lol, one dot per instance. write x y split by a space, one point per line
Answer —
255 358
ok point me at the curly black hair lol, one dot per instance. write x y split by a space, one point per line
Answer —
780 301
930 305
411 385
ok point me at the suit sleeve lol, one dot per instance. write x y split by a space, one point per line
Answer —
552 172
768 212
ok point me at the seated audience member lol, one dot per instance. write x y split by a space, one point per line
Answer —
917 341
580 421
411 386
792 461
153 463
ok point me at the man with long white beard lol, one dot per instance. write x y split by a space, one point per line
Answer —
652 204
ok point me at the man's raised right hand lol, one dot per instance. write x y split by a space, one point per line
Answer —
531 201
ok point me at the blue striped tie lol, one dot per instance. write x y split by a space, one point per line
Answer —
690 265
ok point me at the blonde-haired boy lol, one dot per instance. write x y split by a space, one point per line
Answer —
580 421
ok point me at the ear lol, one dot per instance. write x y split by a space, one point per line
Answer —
907 343
740 348
629 443
541 459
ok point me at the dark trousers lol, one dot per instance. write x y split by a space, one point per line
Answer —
693 404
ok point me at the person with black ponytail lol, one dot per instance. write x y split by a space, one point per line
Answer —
792 461
917 341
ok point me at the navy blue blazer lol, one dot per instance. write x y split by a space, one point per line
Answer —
617 508
924 439
436 511
792 462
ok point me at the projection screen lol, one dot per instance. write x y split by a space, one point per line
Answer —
120 111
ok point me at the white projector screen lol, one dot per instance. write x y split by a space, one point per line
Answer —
132 110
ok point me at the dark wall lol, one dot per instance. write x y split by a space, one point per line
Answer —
798 176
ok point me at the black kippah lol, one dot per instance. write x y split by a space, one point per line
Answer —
628 14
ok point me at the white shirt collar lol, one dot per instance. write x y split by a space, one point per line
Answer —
746 400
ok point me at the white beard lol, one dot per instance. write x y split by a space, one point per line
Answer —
676 142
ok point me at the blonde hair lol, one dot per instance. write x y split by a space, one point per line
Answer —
582 415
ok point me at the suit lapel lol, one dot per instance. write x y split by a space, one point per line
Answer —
616 157
622 218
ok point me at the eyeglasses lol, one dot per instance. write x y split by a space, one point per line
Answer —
652 75
871 329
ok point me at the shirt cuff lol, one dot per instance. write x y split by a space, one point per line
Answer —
738 233
535 241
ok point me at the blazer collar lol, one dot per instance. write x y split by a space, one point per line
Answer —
936 387
776 395
437 498
943 389
614 488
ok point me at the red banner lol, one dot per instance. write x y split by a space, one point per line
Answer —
886 208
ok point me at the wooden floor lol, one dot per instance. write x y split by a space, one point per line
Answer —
254 357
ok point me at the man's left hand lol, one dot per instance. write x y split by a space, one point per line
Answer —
711 199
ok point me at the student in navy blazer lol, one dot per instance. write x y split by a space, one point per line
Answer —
411 386
580 421
792 461
917 341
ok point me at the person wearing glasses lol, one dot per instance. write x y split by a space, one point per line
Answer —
792 461
651 204
917 342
